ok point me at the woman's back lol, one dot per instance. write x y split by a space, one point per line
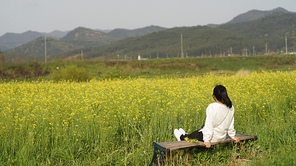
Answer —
219 122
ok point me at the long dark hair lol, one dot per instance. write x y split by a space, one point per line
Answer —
221 95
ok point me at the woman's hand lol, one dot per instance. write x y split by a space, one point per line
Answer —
235 139
208 144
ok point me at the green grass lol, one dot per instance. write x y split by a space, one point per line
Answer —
156 67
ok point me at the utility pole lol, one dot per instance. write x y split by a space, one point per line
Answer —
286 41
182 55
244 52
81 53
266 49
45 56
253 50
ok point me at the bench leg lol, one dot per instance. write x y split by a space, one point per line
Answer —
159 155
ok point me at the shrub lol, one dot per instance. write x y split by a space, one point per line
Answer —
71 73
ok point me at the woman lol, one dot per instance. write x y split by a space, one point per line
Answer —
219 121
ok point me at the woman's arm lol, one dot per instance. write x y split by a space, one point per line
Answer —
208 128
231 130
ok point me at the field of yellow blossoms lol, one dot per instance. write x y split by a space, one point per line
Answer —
115 122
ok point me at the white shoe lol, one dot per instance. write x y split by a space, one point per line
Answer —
182 131
177 134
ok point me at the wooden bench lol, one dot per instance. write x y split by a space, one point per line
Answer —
162 149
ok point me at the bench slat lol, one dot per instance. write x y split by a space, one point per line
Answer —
177 145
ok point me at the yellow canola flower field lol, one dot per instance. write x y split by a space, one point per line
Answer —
117 120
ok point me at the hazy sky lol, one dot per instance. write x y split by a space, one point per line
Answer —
18 16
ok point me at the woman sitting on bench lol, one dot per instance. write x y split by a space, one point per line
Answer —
219 121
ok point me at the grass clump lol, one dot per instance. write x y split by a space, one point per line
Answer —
71 73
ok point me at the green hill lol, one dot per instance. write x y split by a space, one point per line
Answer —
255 15
84 37
35 50
12 40
271 29
197 41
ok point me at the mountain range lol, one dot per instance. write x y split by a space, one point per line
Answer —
253 28
256 14
12 40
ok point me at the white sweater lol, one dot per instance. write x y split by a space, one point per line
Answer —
212 131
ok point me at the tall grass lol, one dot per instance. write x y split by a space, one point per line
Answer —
114 122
